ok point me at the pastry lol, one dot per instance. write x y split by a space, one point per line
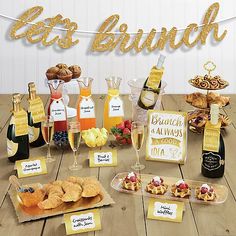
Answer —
131 182
31 196
72 191
211 97
205 193
191 97
52 73
200 102
156 186
181 189
54 193
64 74
209 82
91 187
76 180
76 71
62 66
225 121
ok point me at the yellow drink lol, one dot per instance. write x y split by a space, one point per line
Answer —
109 122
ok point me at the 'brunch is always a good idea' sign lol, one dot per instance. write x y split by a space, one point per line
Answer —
167 136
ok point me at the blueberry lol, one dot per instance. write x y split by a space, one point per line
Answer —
31 190
21 190
25 190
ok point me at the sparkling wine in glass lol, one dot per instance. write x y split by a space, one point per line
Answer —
74 135
137 136
47 127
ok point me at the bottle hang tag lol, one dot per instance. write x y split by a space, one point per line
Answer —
36 108
21 123
211 140
87 108
58 110
116 108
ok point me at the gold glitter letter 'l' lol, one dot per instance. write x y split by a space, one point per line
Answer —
26 17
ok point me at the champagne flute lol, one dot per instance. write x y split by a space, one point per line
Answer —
137 136
74 135
47 127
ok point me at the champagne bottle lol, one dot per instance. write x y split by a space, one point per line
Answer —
34 121
151 88
213 154
17 132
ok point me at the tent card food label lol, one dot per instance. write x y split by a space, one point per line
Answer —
167 136
31 167
21 123
83 221
103 158
165 210
116 108
58 110
37 110
87 108
211 140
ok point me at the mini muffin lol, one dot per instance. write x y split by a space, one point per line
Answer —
131 182
205 193
181 189
64 74
61 66
156 186
52 73
76 71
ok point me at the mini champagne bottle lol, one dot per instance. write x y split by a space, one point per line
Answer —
35 133
17 132
151 88
213 153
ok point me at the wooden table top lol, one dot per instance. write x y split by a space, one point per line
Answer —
128 216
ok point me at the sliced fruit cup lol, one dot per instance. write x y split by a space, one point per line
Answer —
30 196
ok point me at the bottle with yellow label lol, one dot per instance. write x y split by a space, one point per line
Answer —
17 132
36 114
213 151
152 86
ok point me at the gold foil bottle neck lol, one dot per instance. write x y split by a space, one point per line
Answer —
32 90
16 98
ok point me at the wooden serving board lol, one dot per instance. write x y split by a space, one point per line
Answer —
33 213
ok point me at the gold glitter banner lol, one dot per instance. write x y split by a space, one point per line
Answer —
108 37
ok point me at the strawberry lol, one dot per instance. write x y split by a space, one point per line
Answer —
121 126
118 137
161 180
129 141
204 190
128 124
133 178
123 141
183 186
126 131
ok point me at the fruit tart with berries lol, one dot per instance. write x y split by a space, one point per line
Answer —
205 193
181 189
131 182
156 186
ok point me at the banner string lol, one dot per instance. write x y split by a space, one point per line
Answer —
116 33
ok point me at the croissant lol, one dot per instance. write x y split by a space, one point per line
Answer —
91 187
54 192
76 180
200 102
72 192
211 97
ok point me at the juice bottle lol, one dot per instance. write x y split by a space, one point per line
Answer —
113 108
57 110
86 106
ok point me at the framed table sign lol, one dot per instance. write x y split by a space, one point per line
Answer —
167 136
